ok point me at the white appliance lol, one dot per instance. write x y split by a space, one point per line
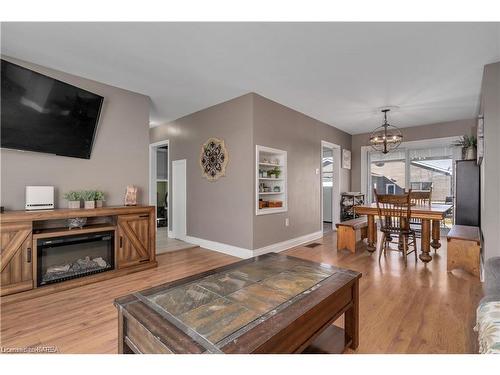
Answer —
39 197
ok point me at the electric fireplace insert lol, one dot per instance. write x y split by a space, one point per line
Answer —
73 256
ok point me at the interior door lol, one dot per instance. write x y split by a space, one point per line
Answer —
133 240
16 258
179 199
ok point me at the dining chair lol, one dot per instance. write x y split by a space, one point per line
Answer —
394 213
419 198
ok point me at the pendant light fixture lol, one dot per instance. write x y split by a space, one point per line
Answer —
386 137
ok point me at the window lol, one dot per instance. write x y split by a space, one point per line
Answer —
387 173
416 168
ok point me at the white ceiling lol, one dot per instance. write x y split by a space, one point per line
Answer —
339 73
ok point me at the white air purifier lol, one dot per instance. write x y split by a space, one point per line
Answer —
39 197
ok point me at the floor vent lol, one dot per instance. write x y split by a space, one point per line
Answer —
313 245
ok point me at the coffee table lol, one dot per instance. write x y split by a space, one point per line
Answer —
268 304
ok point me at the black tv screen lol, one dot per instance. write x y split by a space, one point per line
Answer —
42 114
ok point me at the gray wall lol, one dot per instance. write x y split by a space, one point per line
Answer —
490 167
280 127
224 211
218 211
119 156
414 133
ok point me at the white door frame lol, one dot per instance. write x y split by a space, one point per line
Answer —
179 199
336 183
152 174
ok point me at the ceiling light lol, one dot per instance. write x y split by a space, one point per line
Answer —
386 137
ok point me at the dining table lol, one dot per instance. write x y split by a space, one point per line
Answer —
430 215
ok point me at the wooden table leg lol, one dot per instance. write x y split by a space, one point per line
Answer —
372 234
425 241
436 234
351 319
121 338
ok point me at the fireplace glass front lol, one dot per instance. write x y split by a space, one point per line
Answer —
69 257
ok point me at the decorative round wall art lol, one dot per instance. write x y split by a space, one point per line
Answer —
213 159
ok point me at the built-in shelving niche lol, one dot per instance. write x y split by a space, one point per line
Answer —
270 187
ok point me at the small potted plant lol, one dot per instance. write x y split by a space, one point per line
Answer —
276 172
469 147
73 198
99 198
88 197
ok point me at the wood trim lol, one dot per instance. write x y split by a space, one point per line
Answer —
73 232
66 213
12 247
48 289
16 288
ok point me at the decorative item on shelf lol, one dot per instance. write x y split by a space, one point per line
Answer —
276 161
348 201
386 137
469 147
88 197
73 198
213 159
261 173
266 161
267 189
76 222
276 172
346 159
131 196
276 189
99 198
263 204
275 204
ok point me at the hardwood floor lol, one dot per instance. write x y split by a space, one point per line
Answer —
418 309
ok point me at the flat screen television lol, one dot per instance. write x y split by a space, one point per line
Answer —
43 114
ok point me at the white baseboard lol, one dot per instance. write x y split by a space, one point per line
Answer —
236 251
288 244
241 252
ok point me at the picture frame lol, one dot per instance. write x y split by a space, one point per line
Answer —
346 159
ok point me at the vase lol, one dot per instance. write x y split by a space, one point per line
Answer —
89 204
98 203
73 204
470 153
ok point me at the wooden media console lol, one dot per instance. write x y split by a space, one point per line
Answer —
129 230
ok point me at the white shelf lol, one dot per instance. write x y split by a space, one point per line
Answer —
278 160
270 165
272 210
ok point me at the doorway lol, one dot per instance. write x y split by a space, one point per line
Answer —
160 189
330 186
158 186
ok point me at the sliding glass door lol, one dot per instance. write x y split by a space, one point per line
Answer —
387 173
413 168
433 168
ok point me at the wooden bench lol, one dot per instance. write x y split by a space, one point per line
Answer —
350 232
464 249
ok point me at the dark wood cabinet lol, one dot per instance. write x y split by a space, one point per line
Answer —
467 193
16 258
133 240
